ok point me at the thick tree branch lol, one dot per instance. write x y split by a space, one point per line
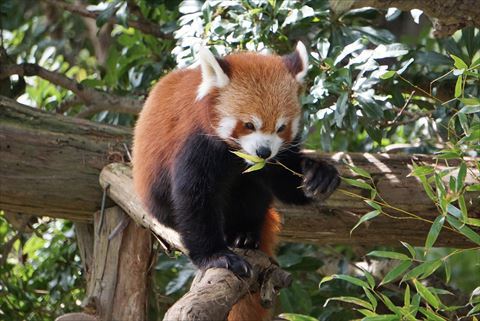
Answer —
144 26
94 99
50 166
447 16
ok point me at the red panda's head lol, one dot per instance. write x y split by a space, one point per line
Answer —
257 105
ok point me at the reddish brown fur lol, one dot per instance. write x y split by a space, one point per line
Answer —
260 85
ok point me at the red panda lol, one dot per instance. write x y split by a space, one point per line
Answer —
187 177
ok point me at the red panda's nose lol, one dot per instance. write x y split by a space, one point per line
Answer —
263 152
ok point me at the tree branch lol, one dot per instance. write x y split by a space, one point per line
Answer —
447 16
144 26
95 100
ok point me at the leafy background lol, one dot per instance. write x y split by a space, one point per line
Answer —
378 82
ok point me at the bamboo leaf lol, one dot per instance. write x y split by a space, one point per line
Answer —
434 232
351 299
458 87
465 230
459 63
396 272
357 183
366 218
426 294
255 167
389 254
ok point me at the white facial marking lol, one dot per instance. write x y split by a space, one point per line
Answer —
212 74
281 121
257 122
302 52
225 127
295 126
251 142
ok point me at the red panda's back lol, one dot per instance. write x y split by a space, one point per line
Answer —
169 115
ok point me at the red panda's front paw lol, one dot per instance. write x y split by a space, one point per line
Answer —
226 260
320 178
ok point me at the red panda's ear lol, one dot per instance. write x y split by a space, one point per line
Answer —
213 72
297 62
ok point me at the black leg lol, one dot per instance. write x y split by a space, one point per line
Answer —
201 175
249 201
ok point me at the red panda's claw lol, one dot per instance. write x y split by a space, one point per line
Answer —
321 178
247 240
228 260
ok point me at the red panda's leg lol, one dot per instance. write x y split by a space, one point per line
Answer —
319 178
199 181
249 308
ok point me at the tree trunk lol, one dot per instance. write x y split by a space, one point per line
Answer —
50 166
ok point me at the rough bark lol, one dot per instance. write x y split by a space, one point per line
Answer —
215 291
50 166
447 16
119 265
50 163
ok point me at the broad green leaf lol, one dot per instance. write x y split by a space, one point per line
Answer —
351 299
465 230
365 218
357 183
396 272
458 87
297 317
459 63
388 74
255 167
389 254
426 294
434 232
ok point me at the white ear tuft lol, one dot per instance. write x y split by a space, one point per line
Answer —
303 54
212 73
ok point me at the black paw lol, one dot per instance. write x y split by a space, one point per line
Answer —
320 178
245 240
226 260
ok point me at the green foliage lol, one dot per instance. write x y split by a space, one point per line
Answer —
368 88
40 277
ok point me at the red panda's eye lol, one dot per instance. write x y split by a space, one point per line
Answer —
281 128
250 126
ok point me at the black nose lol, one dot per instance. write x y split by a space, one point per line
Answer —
264 152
